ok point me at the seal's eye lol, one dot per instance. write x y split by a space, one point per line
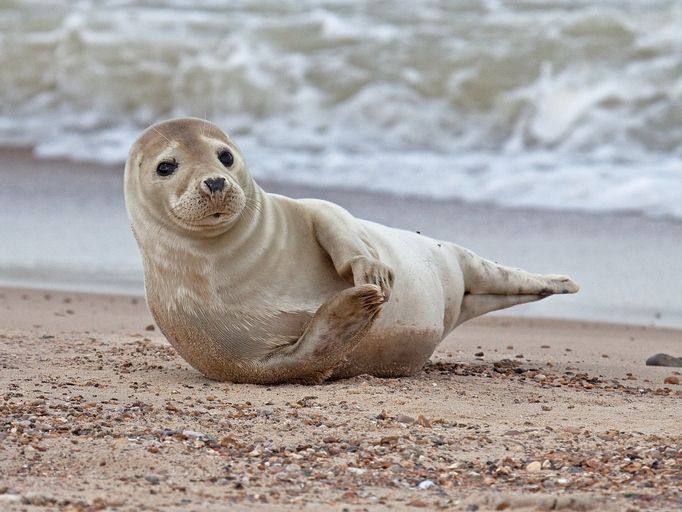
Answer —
166 168
226 158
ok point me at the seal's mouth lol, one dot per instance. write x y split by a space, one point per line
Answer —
217 216
197 211
210 219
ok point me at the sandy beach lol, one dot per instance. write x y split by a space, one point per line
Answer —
539 135
98 412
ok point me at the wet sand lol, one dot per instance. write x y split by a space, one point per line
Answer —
98 412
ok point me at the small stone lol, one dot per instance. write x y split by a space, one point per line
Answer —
534 467
424 421
152 479
426 484
664 360
503 505
633 467
546 408
403 418
477 354
150 327
540 377
592 463
672 379
198 436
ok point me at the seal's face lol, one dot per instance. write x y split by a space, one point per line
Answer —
186 174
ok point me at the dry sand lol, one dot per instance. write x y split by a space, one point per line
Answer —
98 412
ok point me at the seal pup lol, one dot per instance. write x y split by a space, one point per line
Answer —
256 287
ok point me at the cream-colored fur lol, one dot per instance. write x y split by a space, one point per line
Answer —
257 287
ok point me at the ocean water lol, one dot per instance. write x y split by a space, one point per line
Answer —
554 104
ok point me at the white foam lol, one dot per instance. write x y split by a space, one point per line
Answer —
563 105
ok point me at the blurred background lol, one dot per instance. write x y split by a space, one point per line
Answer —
542 134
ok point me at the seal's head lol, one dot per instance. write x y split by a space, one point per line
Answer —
188 176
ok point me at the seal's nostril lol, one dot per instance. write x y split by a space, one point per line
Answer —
215 184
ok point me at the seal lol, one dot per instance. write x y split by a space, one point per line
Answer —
255 287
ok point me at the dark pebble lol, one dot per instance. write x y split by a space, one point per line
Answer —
664 360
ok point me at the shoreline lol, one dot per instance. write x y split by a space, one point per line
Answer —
494 318
510 413
80 239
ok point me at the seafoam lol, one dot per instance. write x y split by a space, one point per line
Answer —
553 104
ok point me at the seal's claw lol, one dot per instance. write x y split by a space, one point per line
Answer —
372 271
563 284
371 297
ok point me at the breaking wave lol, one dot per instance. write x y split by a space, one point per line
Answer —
550 104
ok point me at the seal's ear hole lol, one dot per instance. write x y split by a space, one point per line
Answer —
226 158
166 168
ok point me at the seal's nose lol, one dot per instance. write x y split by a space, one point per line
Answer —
215 184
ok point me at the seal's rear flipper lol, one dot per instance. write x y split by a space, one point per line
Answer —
482 276
477 305
334 331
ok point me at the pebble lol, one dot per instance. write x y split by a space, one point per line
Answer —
672 379
477 354
152 479
403 418
664 360
534 467
196 435
426 484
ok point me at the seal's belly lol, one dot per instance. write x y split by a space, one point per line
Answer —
390 353
423 308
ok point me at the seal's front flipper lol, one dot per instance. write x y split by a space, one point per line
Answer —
349 247
334 331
